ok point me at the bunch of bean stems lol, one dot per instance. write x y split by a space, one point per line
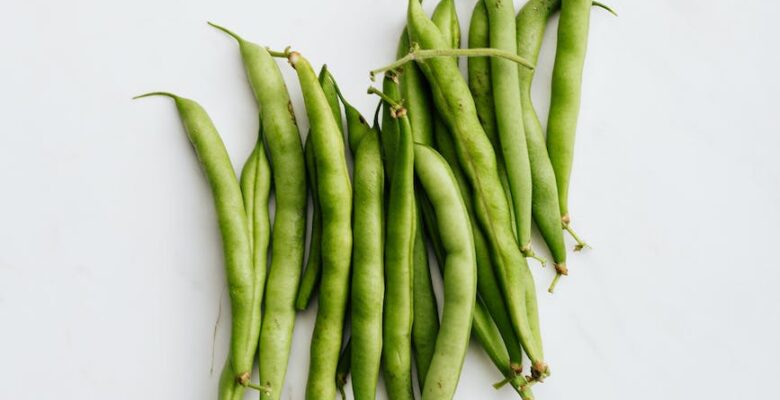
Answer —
462 166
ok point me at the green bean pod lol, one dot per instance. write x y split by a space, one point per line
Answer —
286 156
399 250
233 226
487 283
454 102
368 280
312 273
335 193
481 87
531 24
460 278
565 94
511 132
483 327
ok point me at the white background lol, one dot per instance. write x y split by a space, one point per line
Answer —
111 272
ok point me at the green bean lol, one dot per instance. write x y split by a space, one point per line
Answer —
415 93
454 102
481 87
233 225
460 280
283 142
483 326
531 23
511 132
313 272
487 283
343 367
335 195
399 252
367 254
565 96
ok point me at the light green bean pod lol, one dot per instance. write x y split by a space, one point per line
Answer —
313 272
399 250
454 102
565 94
460 277
368 281
335 192
233 226
531 24
509 118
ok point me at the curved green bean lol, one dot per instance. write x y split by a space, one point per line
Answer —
453 100
487 283
460 280
335 192
233 224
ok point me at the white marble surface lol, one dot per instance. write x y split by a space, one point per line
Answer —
110 263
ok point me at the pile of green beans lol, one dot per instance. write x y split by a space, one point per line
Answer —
459 168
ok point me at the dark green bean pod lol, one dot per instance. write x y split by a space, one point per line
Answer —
335 192
454 102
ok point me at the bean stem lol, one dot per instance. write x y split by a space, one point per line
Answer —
580 243
605 7
419 54
389 100
259 388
